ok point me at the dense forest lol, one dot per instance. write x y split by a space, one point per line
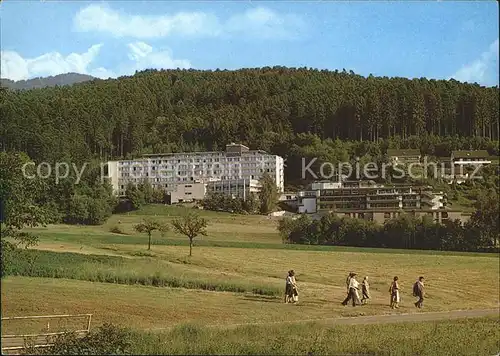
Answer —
267 108
296 113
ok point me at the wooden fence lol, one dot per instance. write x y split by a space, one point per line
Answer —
14 342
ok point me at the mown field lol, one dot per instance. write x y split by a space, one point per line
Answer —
235 276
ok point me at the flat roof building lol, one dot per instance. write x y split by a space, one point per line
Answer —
166 171
369 198
474 157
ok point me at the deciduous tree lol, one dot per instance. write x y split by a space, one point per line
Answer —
190 225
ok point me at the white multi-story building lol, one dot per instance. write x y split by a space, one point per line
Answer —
166 171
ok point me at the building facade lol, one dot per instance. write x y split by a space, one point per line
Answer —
403 156
166 171
396 197
381 216
240 188
187 192
477 157
369 200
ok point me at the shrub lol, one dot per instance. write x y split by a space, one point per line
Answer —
116 230
106 340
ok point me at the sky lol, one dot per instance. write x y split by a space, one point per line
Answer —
413 39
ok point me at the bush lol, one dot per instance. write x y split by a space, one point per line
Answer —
106 340
116 230
402 232
236 205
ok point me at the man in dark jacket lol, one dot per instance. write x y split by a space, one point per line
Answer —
419 292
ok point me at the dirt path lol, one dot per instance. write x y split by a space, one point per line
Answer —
392 318
375 319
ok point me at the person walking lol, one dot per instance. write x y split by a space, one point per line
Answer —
291 291
394 290
418 291
348 280
289 287
295 290
353 292
365 289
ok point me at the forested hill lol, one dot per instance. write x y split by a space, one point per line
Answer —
35 83
267 108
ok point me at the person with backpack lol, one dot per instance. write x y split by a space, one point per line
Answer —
394 290
418 291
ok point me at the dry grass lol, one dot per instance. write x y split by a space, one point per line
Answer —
454 281
160 309
147 307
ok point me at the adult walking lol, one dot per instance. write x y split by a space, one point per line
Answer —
295 290
288 287
291 293
353 292
394 290
348 280
418 291
365 289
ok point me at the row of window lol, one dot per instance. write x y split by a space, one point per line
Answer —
199 160
187 166
200 173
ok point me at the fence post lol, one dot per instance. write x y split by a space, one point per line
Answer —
88 325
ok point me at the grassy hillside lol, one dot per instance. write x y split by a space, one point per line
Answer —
236 276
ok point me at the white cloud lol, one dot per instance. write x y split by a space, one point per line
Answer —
15 67
141 56
260 22
102 73
265 23
480 70
139 50
104 19
144 57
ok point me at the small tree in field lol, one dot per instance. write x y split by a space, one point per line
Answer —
148 226
191 226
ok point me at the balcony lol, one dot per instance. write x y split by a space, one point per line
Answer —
314 193
376 199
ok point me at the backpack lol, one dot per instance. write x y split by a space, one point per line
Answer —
415 290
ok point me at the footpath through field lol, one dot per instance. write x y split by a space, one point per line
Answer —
374 319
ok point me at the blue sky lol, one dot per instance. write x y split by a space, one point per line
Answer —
434 39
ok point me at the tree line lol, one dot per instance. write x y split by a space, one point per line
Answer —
262 202
265 108
480 233
86 200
